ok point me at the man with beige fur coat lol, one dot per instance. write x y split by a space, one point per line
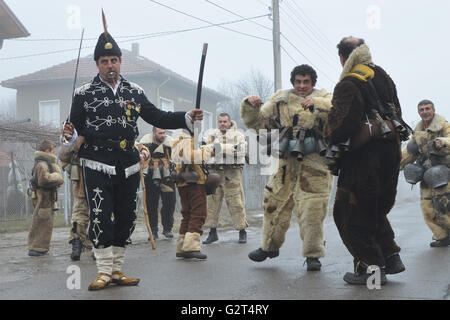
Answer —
189 160
47 178
432 137
229 167
303 186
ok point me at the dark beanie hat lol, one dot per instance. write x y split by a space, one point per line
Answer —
106 46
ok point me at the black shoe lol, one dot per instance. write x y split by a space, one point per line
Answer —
191 255
312 264
212 237
168 234
33 253
440 243
76 249
155 235
361 276
242 236
394 264
259 255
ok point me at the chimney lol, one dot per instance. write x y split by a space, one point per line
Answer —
135 49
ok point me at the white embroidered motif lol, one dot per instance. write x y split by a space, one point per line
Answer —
133 225
123 121
106 102
96 87
97 201
98 122
133 87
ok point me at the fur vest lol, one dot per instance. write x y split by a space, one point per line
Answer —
47 183
439 129
233 145
352 97
183 153
289 105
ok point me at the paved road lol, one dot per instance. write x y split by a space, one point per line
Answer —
228 274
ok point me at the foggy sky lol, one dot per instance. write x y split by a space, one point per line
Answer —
406 38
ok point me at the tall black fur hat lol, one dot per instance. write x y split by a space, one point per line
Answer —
106 45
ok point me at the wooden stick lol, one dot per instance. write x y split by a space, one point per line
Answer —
144 199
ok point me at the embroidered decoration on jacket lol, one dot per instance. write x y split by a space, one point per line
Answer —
97 201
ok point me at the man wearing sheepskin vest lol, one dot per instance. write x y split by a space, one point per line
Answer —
191 188
47 178
432 137
367 183
158 181
303 186
229 167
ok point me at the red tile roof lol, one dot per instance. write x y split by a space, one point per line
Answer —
131 65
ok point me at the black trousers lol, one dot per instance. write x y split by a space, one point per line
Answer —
168 200
366 192
111 196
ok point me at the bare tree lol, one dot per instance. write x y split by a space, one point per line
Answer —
252 83
8 108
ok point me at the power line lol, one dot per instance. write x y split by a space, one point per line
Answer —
312 22
287 53
264 4
150 35
142 35
322 41
298 50
307 43
238 15
313 38
203 20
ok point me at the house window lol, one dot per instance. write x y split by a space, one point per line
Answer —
49 113
166 104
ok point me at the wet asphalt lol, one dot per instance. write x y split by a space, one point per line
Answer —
227 273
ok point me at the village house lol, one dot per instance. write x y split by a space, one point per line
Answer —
10 26
45 96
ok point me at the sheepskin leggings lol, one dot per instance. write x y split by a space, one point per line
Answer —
304 187
231 189
436 210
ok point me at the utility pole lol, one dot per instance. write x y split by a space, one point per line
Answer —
276 44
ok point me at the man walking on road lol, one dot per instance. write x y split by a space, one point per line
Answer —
302 181
430 146
229 167
159 182
368 175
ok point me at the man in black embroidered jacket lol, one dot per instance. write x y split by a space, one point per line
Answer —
105 112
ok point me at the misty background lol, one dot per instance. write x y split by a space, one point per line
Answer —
406 38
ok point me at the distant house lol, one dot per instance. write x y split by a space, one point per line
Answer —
45 96
10 26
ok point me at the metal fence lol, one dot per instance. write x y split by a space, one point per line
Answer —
16 163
